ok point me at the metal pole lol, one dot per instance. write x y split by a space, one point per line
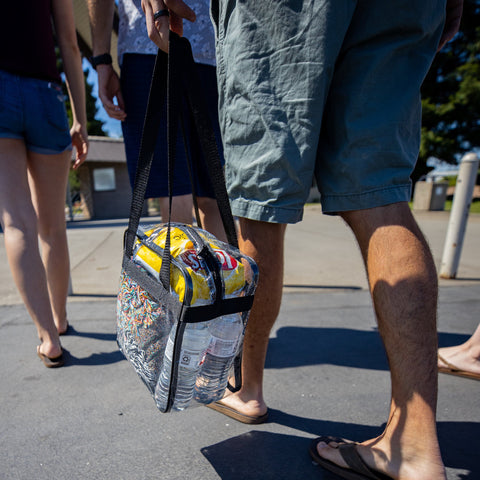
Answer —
459 215
70 286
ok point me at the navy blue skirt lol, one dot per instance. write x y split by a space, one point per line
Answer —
136 74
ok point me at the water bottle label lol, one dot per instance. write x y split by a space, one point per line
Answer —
169 349
191 359
222 348
188 358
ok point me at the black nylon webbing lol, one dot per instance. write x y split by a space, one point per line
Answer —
147 146
206 137
181 65
182 74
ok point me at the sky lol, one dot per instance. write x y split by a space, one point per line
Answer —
111 127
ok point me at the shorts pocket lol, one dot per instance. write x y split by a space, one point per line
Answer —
53 106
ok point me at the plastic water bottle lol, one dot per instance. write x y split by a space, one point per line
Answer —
196 338
226 333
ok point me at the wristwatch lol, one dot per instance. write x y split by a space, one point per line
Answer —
104 59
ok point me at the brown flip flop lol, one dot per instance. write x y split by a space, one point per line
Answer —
451 369
236 415
357 468
52 362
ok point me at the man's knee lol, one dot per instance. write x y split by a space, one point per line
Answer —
373 218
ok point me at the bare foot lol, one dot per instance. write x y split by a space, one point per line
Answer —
49 349
239 401
62 327
464 357
396 463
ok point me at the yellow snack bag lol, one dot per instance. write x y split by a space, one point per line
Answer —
186 260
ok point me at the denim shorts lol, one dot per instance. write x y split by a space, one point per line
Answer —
321 88
136 75
33 110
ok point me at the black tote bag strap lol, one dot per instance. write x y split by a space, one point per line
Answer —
205 132
151 126
183 78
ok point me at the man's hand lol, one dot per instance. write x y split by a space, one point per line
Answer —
108 89
158 29
452 22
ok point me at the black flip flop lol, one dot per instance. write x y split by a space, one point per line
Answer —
358 469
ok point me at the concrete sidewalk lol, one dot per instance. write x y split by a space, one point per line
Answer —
326 372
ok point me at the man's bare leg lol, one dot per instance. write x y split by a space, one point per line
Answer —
182 208
264 242
182 212
403 283
210 217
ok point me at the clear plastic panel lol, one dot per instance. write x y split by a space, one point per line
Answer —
146 330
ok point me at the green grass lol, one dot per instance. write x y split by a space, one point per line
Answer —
474 206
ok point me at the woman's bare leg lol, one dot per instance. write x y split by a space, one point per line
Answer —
19 224
48 176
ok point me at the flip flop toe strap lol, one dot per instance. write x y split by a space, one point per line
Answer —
355 462
448 364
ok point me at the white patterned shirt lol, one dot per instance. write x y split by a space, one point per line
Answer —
133 37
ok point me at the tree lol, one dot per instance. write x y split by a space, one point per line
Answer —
451 96
94 126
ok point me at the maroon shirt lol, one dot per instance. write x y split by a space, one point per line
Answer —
27 45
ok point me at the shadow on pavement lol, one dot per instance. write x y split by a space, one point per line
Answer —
450 339
93 295
267 455
108 337
460 446
93 360
300 346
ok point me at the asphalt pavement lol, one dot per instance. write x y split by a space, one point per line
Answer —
326 372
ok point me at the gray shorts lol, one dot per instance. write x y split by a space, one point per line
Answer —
324 88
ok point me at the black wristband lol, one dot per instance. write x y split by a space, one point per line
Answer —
104 59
